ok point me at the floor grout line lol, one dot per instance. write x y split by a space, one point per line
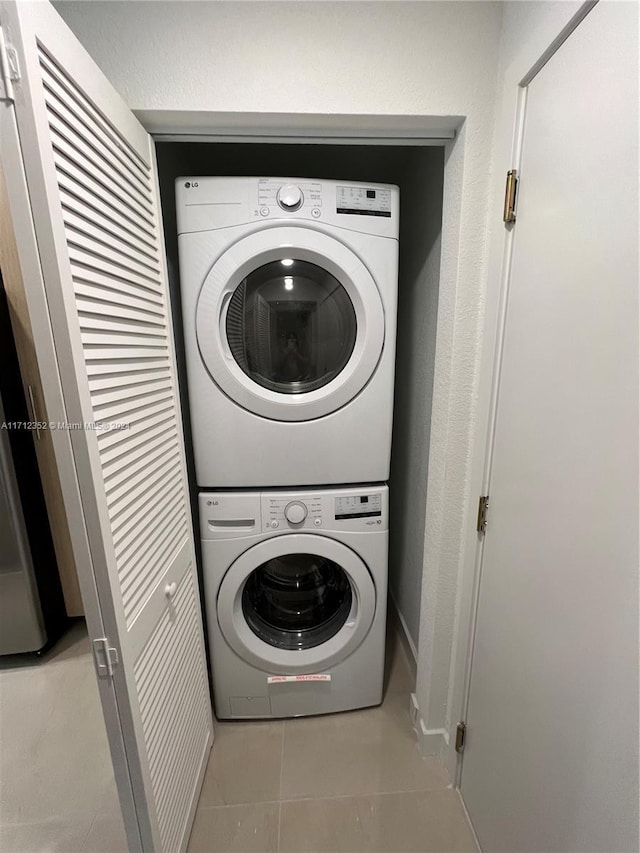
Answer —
367 794
280 788
328 797
279 826
83 846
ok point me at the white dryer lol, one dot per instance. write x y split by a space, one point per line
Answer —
289 291
295 588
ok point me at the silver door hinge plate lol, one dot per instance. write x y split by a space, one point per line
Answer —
510 192
461 732
9 69
483 509
106 657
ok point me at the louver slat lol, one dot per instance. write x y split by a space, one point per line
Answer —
76 201
120 301
111 443
100 244
73 148
62 122
172 766
83 178
126 520
79 215
94 299
124 409
85 112
129 535
83 259
95 283
108 210
97 370
75 190
138 378
125 475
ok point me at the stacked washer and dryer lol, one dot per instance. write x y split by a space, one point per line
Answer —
289 291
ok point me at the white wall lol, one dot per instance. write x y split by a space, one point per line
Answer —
386 58
420 239
351 57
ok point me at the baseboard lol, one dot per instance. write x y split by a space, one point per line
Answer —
411 653
430 741
433 742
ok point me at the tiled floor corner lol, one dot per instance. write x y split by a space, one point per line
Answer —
409 822
58 793
340 783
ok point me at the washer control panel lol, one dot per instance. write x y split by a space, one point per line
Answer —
358 506
232 515
364 508
364 201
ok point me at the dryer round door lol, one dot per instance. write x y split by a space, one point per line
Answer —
290 323
296 603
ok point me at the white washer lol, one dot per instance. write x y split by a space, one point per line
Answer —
295 587
289 291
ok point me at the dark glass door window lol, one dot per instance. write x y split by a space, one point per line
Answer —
297 601
291 326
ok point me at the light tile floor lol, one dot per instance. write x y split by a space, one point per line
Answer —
340 783
57 791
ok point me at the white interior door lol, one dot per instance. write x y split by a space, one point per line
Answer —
551 757
90 180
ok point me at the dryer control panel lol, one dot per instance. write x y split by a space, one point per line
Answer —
226 515
207 203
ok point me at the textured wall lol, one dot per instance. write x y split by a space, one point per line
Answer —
420 237
416 58
353 57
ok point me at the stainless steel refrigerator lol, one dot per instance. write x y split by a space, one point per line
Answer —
32 613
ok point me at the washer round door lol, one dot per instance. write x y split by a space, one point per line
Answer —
290 323
297 602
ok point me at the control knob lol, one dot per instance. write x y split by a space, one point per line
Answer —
290 197
295 512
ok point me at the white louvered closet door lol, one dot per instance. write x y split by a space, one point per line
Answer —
91 177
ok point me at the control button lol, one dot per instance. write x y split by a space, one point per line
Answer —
274 524
290 197
264 211
295 512
317 522
316 212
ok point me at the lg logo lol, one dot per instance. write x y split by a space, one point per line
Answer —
213 503
189 184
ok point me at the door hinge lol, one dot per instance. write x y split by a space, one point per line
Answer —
461 731
483 509
106 657
510 192
9 69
